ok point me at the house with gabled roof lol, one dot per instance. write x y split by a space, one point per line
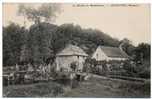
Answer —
71 53
109 53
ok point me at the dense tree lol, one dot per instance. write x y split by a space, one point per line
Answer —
38 42
127 46
142 58
40 35
13 39
87 39
43 41
45 12
142 52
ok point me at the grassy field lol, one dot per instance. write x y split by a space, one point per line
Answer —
41 89
94 87
110 88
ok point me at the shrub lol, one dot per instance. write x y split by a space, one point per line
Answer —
57 90
137 70
145 73
74 66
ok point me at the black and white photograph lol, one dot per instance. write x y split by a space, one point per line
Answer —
77 50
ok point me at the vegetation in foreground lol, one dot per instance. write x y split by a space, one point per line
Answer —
94 87
110 89
42 89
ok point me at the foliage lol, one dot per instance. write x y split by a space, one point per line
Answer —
143 69
127 68
87 39
46 12
43 89
73 66
145 73
14 37
142 52
42 42
39 42
131 69
127 46
88 65
93 66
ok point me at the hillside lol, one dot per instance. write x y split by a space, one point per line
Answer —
39 42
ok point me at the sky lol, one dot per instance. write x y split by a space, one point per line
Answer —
119 21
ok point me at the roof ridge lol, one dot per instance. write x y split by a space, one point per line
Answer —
71 50
113 51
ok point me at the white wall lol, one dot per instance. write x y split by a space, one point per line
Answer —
113 58
99 55
65 61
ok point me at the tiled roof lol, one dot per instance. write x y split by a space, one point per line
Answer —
113 52
72 50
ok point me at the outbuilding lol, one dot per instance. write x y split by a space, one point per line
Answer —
109 53
70 54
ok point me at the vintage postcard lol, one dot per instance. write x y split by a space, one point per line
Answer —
88 50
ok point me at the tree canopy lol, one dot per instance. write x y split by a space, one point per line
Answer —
14 37
45 12
41 42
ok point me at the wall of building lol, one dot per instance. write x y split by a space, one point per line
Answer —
65 62
115 58
99 55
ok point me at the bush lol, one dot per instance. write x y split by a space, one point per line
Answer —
57 90
146 87
5 81
74 66
137 70
145 73
121 68
35 90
